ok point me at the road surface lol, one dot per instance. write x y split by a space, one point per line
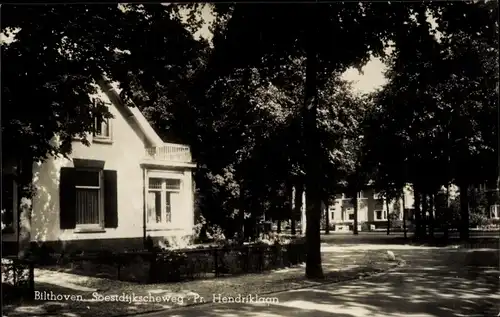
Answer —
433 283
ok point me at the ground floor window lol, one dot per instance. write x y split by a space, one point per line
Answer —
89 198
410 213
163 199
380 210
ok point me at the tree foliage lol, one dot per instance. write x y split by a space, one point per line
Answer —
437 113
270 111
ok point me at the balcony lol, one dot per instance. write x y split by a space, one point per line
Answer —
169 152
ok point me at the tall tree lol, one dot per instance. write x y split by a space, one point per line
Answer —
446 91
275 34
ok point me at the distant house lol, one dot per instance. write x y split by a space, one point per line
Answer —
372 210
127 185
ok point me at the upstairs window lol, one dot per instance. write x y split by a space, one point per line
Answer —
101 128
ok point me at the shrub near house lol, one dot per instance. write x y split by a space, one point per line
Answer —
172 265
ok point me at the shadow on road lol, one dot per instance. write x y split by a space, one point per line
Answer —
436 284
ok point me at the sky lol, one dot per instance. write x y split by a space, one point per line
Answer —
371 78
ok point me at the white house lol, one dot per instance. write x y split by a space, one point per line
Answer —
372 209
127 185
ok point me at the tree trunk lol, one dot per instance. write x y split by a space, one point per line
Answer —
289 188
25 195
327 218
303 217
297 207
388 216
313 168
425 209
464 210
416 195
431 215
404 215
447 213
355 205
241 215
278 226
251 230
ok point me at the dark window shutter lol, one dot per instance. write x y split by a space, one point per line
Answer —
67 198
110 199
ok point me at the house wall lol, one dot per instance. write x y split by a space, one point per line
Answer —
124 155
368 203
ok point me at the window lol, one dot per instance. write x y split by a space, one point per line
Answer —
494 212
102 128
89 198
409 213
8 201
378 215
163 198
332 214
351 216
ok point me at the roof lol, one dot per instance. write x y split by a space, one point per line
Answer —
112 90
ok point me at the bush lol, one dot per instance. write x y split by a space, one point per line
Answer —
200 230
168 266
175 265
41 253
15 280
216 235
296 251
397 224
108 257
478 220
231 260
365 226
493 223
150 245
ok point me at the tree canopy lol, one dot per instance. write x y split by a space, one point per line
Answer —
271 111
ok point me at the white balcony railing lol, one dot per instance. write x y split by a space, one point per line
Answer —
170 152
